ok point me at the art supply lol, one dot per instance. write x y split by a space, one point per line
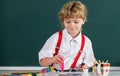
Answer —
42 72
106 61
99 61
38 74
82 64
24 74
85 72
52 68
102 68
95 61
62 64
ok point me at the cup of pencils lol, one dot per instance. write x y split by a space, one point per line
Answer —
102 68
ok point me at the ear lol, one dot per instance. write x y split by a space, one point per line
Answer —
83 22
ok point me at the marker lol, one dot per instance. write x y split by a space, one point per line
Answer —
82 64
62 64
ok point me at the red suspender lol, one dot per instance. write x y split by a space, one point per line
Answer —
58 43
79 53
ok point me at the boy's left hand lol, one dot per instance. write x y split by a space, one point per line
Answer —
83 66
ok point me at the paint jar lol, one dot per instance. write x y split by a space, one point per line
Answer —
102 69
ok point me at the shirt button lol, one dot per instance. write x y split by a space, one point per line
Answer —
74 41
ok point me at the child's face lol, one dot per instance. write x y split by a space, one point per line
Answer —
73 25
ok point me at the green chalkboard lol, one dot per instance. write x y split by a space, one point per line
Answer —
25 25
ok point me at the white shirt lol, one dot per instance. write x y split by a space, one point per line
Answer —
68 49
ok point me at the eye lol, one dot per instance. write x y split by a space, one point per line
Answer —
76 22
67 22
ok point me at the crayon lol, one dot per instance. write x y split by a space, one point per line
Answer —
48 69
51 68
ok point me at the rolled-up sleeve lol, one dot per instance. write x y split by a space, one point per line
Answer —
49 47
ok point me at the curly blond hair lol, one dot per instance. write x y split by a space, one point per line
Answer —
73 9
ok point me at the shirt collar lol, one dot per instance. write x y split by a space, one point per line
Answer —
68 37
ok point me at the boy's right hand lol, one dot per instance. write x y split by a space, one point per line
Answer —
57 59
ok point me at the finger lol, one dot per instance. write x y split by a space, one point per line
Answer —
57 60
85 66
61 57
81 68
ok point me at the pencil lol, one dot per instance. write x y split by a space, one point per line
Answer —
99 61
95 61
106 61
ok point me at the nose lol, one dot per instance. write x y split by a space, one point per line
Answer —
72 24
